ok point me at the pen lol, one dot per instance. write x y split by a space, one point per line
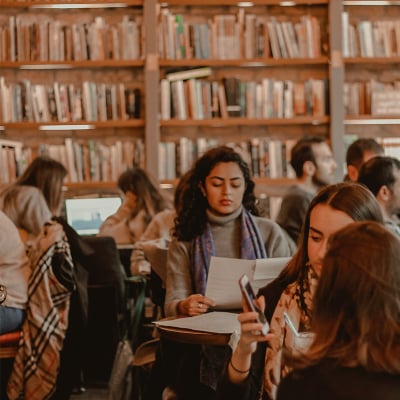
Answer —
290 323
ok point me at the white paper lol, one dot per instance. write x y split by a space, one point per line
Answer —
266 270
212 322
224 273
223 281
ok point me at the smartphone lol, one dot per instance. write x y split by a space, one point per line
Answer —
248 293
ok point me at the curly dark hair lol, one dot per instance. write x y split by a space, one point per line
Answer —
191 220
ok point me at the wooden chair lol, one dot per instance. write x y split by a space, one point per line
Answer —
8 350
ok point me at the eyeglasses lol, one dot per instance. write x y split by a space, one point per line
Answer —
3 294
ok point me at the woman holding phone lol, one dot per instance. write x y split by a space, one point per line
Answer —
257 365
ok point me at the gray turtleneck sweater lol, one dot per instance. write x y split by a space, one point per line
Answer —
227 235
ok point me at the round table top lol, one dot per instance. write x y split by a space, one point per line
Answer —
192 336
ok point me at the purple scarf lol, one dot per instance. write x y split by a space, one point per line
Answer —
252 248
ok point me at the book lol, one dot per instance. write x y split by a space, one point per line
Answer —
188 74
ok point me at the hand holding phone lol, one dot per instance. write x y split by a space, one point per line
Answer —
249 296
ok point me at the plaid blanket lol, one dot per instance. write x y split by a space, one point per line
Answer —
37 361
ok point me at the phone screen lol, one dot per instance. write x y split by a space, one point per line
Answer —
250 296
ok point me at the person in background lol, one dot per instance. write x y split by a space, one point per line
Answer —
218 217
142 200
15 270
158 229
257 366
360 151
355 353
44 179
26 206
381 175
314 165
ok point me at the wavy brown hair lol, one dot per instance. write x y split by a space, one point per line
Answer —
356 312
47 175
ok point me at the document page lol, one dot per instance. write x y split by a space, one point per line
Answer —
267 269
223 281
212 322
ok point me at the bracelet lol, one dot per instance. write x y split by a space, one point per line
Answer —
238 370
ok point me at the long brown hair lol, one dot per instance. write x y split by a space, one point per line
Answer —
48 176
149 196
356 312
353 199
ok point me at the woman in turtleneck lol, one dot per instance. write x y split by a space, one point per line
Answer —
218 218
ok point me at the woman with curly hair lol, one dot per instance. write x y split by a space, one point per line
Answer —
218 217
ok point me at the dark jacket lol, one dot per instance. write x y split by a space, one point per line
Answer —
251 387
325 381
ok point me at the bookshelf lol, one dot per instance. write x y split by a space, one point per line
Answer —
371 49
315 67
72 83
246 57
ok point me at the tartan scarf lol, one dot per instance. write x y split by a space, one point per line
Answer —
37 361
296 300
252 247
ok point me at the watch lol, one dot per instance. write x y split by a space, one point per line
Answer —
3 294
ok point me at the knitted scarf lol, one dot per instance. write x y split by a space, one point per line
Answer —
252 247
296 300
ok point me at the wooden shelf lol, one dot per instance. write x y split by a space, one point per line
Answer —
371 60
77 125
71 4
54 65
256 63
218 122
237 2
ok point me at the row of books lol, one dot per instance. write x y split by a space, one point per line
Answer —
41 38
14 158
366 38
67 102
233 97
371 98
266 157
237 36
94 161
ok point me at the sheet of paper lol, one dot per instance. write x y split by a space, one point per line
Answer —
213 322
267 269
223 281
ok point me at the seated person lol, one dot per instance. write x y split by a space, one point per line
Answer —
142 200
218 217
314 165
158 232
359 152
247 374
15 270
381 175
355 353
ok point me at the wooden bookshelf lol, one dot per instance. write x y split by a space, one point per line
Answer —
147 71
370 63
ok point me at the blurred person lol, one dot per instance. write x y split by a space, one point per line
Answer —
257 366
314 165
381 175
15 270
355 353
43 179
360 151
158 230
142 200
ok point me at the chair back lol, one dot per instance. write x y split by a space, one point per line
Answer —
106 309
